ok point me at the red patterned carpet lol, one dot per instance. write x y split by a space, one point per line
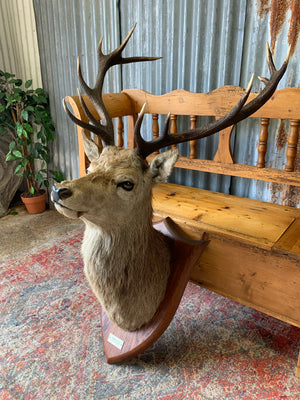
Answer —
51 345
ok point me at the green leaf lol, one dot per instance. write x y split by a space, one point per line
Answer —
28 83
46 183
49 136
31 190
21 142
18 168
18 92
17 82
24 162
28 127
9 157
45 156
17 154
57 175
12 145
7 75
24 133
19 129
24 115
41 99
38 177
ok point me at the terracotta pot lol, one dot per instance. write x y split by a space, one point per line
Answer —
36 204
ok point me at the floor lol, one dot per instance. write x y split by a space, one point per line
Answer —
20 231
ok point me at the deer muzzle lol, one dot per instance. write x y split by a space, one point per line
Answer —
60 194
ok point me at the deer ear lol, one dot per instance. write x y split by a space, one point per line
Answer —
162 165
91 149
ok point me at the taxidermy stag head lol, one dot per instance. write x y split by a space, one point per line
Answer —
126 260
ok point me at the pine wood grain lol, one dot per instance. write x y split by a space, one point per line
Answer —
266 281
215 103
290 241
261 224
241 170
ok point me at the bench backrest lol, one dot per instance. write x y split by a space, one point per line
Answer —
284 105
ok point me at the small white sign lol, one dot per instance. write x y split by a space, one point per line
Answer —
115 341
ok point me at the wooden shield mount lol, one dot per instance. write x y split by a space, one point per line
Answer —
120 345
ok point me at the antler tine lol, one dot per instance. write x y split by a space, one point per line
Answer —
104 129
84 125
239 112
270 84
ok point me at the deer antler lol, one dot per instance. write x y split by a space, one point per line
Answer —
239 112
104 129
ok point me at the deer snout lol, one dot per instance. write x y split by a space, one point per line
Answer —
60 193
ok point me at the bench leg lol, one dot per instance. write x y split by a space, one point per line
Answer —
298 367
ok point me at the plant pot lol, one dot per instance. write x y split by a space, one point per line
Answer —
35 204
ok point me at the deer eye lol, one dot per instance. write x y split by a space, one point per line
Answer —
126 185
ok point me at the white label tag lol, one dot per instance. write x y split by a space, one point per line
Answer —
115 341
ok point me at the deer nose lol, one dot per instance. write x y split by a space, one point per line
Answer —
60 194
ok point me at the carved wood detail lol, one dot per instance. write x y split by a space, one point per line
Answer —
224 154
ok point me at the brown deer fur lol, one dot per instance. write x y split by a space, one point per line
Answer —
126 260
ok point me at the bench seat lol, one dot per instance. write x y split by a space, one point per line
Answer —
254 251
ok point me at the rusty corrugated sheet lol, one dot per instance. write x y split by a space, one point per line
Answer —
274 22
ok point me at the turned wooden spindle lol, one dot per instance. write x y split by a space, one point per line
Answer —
262 145
173 127
291 150
193 143
155 128
120 132
298 367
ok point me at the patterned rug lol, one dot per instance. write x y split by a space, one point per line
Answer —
51 344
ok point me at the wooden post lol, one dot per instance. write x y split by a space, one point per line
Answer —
120 132
79 113
263 139
193 143
131 123
173 127
292 145
298 367
155 128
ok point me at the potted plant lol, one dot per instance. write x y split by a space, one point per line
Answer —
26 112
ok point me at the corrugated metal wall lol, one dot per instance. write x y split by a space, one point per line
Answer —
67 30
195 40
18 45
204 44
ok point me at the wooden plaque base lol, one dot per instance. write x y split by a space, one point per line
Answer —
120 345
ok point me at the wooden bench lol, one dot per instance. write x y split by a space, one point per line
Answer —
254 253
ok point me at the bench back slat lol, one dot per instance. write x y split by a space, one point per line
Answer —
284 104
